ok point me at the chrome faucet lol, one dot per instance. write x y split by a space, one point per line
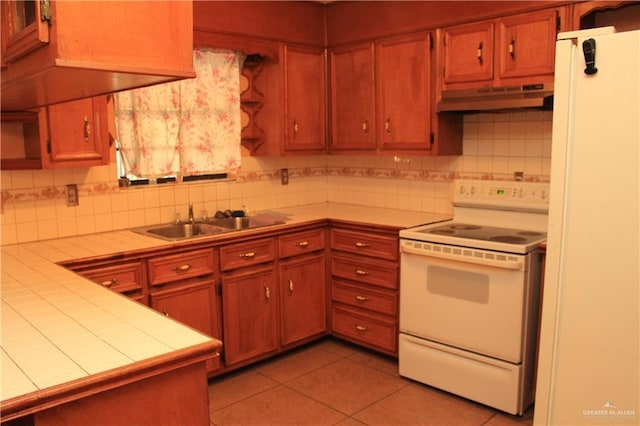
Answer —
191 213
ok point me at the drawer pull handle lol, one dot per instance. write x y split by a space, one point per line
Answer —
248 255
109 283
365 126
362 298
267 292
290 285
387 126
362 245
361 328
479 54
165 312
512 48
303 244
361 272
87 129
182 268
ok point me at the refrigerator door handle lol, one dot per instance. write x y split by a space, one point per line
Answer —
589 49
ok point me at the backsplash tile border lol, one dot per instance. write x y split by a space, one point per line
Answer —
95 189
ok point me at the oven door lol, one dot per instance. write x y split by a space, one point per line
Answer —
465 298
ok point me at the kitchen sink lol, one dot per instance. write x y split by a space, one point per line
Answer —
203 228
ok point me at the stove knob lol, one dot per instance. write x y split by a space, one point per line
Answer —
473 190
462 190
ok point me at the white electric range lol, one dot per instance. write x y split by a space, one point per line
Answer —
469 294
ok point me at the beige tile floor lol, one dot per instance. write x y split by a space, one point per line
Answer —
331 382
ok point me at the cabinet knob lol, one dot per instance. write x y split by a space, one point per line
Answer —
365 126
87 129
480 47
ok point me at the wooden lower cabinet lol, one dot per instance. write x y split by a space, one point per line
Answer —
366 328
249 311
364 287
192 303
302 298
182 286
128 278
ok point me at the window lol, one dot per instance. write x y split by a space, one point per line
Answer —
184 128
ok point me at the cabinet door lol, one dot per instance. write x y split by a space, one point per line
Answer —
303 298
194 305
78 134
352 98
24 30
404 95
304 95
249 303
468 53
526 44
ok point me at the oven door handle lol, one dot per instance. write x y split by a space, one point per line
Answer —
513 266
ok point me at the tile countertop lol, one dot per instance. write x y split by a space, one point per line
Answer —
58 327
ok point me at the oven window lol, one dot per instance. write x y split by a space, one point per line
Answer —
465 285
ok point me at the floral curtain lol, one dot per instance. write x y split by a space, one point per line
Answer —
186 127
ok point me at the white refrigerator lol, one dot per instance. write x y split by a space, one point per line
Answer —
589 354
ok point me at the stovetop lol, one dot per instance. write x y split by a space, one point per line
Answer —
477 236
486 233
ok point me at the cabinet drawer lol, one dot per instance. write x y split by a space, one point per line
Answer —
384 247
124 278
301 243
376 272
181 266
368 329
247 253
385 302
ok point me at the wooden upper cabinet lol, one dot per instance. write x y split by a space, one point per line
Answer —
624 15
516 49
382 100
353 121
70 134
526 44
78 134
89 49
468 53
404 93
25 28
304 98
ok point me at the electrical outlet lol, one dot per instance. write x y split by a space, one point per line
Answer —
284 176
72 195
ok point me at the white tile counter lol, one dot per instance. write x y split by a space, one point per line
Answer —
58 327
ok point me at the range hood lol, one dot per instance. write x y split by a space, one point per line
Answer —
538 96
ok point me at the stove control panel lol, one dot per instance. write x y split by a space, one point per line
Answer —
522 196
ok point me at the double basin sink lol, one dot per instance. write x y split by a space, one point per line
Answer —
203 228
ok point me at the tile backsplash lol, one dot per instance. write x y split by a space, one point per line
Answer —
494 147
